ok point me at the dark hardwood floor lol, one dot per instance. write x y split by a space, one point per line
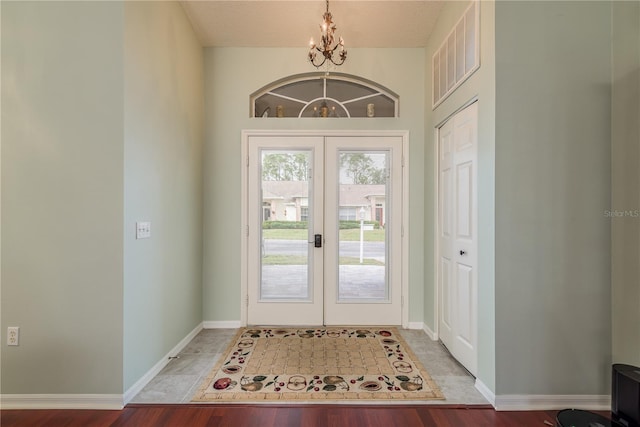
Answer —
278 416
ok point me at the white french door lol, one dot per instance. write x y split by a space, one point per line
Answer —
285 271
363 275
324 229
457 235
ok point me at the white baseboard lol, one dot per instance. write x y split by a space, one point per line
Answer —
91 401
486 392
139 385
427 330
415 325
61 401
222 324
518 402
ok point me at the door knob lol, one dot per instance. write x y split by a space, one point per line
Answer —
462 252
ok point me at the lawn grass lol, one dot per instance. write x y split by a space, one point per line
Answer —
284 234
302 260
353 235
350 235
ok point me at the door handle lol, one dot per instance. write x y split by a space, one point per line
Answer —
462 252
317 240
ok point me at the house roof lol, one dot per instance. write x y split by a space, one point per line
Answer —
358 195
285 190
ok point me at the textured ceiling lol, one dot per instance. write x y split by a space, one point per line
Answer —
291 23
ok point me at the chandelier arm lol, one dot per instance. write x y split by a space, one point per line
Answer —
337 63
320 64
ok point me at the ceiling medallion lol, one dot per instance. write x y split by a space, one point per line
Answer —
326 48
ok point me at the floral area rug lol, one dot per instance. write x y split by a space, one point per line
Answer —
310 364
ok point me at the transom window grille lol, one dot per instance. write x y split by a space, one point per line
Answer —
319 95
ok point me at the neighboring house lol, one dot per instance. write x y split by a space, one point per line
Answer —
285 200
289 201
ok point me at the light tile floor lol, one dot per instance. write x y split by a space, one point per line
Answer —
180 379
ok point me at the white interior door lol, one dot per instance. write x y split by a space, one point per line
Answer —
348 192
457 235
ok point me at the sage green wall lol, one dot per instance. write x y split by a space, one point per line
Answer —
480 85
231 75
62 188
625 153
553 183
163 139
102 106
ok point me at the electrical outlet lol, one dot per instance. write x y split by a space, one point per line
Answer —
13 335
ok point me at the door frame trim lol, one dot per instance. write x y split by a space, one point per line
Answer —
244 198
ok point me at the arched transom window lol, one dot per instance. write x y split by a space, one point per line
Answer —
321 95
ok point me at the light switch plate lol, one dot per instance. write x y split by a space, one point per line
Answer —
143 230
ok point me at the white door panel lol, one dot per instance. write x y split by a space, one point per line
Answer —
457 231
464 286
445 269
464 189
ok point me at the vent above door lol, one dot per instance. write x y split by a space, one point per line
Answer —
458 56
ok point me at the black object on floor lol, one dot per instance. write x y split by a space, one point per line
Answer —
579 418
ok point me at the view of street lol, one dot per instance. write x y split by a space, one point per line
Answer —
372 250
290 280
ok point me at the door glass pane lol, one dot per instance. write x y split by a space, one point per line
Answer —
286 218
362 215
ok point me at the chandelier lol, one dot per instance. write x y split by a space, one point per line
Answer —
326 47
